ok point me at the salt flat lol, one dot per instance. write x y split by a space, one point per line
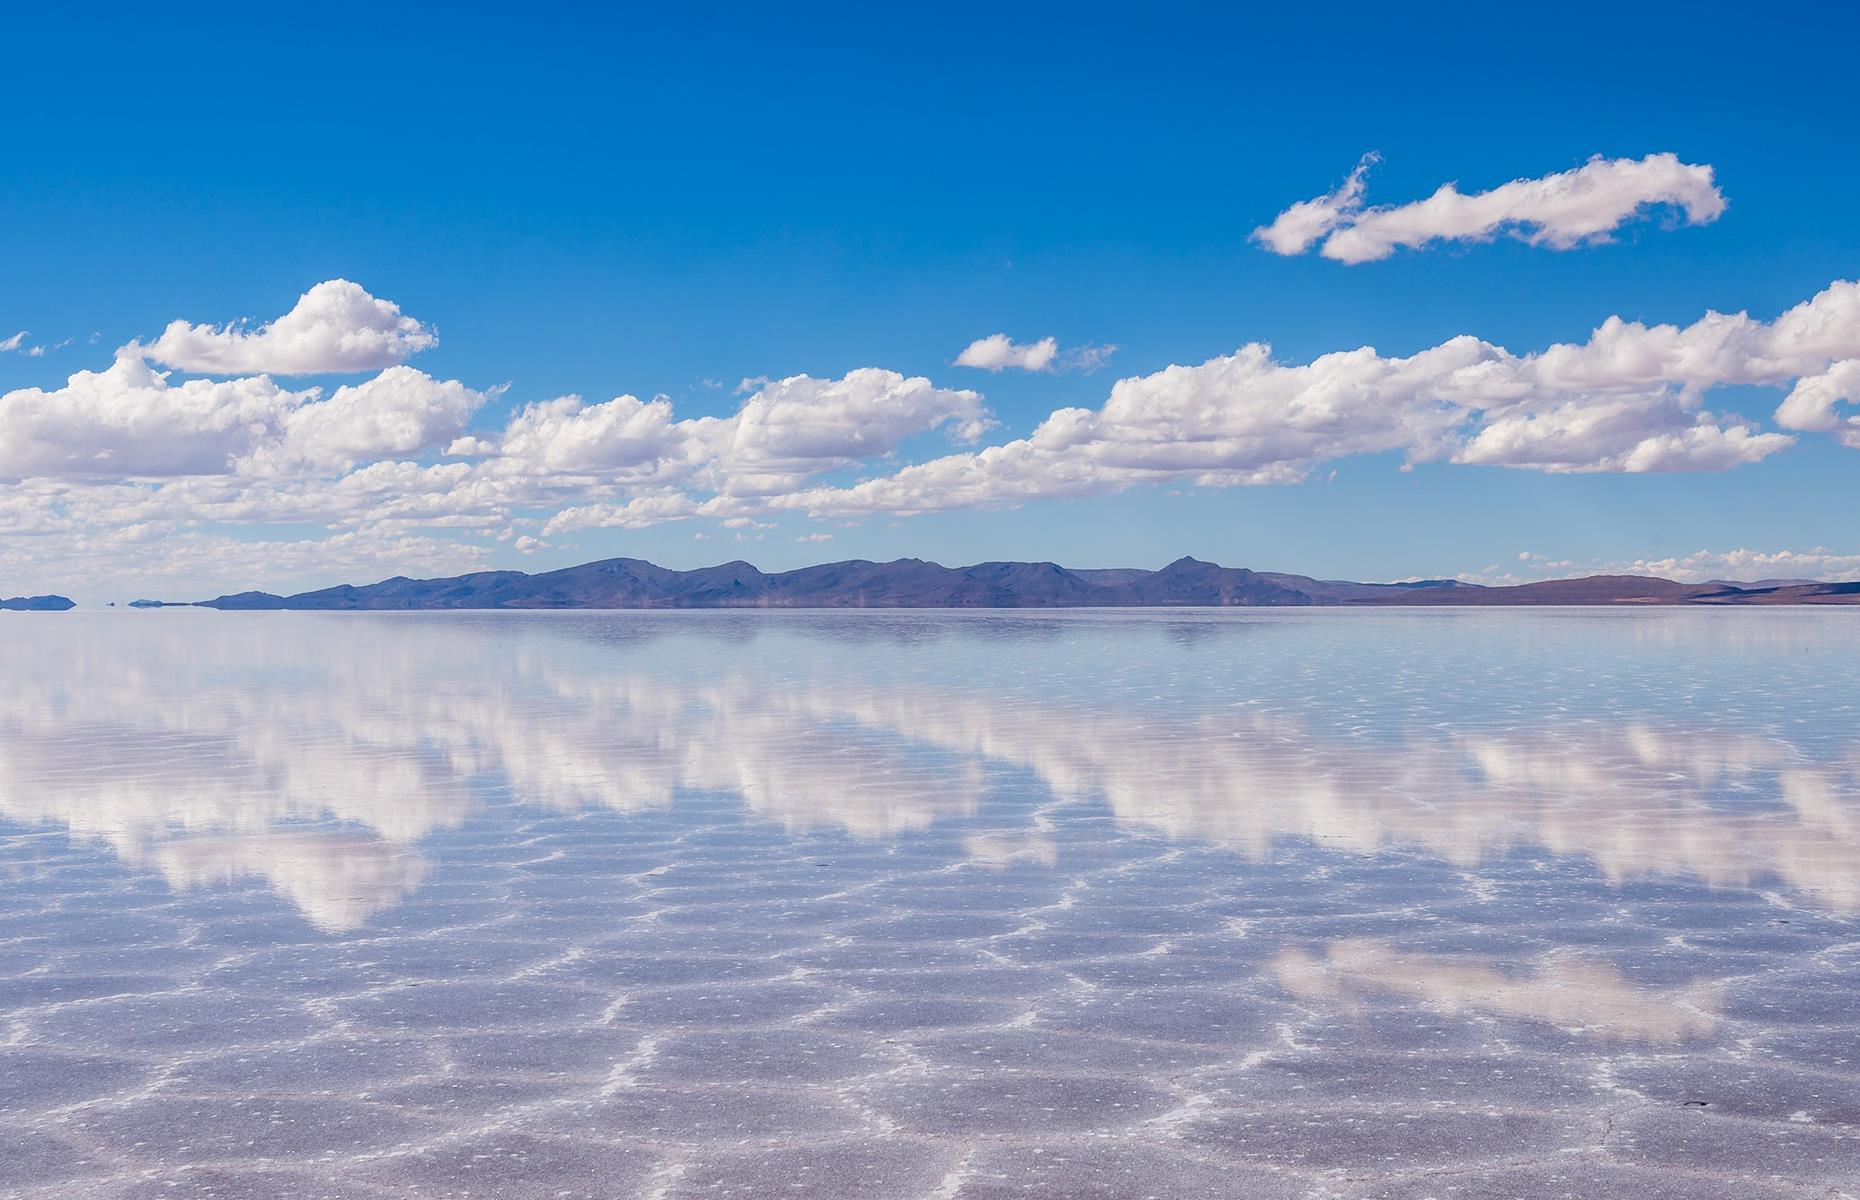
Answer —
1341 904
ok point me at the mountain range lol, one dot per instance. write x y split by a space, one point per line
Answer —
914 583
36 604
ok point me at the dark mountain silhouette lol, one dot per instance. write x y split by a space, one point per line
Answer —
37 604
914 583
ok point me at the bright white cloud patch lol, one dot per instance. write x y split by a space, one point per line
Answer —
1627 399
335 327
638 513
127 422
800 426
998 352
1305 223
132 422
470 447
1817 403
624 435
144 472
1561 211
15 342
783 432
400 411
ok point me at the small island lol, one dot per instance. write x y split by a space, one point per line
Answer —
37 604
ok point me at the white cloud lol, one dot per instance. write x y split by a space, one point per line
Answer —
800 426
622 435
1627 399
1631 433
400 411
128 421
335 327
1561 211
998 352
784 432
127 460
1305 223
470 447
815 537
16 344
654 508
1812 403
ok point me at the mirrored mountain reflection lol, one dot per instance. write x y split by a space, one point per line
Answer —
318 754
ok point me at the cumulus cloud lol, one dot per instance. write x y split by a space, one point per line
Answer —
146 456
15 342
1815 402
1568 209
400 411
622 435
641 512
1629 398
800 426
1631 433
786 430
134 463
998 352
335 327
470 446
130 421
1305 223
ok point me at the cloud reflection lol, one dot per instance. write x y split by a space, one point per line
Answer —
1560 989
317 754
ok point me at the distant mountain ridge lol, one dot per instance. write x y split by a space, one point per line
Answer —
915 583
36 604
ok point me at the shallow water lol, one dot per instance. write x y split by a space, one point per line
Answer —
1148 904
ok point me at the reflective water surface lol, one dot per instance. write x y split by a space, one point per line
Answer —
1149 904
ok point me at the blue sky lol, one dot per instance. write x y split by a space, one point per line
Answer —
656 203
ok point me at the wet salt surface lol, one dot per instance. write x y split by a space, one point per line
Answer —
1333 904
